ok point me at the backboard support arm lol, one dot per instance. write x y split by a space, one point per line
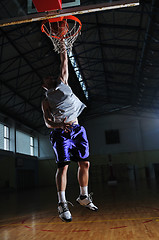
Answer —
69 11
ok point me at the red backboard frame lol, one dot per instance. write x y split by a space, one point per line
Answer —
47 5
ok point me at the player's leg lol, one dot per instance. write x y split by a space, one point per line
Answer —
61 182
60 146
83 177
81 152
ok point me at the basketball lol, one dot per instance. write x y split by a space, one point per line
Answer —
60 28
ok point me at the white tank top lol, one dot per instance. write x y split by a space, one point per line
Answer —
64 103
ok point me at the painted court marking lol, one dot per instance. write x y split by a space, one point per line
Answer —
31 226
148 219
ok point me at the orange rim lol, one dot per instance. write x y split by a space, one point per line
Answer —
58 19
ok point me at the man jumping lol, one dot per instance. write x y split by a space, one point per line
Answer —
69 140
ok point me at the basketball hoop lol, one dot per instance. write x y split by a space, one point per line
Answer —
62 30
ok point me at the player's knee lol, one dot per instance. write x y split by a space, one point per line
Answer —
84 164
62 170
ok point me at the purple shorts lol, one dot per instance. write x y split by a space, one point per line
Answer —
70 146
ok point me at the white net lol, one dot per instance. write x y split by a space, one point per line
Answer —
67 34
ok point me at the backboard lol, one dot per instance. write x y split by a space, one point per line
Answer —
23 11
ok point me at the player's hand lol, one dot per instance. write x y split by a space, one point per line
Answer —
66 126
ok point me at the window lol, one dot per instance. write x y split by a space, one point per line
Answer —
22 143
26 144
31 146
1 136
6 138
78 73
112 137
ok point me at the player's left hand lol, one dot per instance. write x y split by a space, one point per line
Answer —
66 126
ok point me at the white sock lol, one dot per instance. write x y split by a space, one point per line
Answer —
84 190
61 196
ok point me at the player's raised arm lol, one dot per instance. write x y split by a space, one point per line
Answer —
64 66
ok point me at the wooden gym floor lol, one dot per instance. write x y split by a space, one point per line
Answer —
126 211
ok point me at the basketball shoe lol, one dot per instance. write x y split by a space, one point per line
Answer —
86 201
64 212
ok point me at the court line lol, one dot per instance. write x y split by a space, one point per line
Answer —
76 222
118 227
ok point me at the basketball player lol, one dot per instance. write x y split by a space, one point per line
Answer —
60 110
